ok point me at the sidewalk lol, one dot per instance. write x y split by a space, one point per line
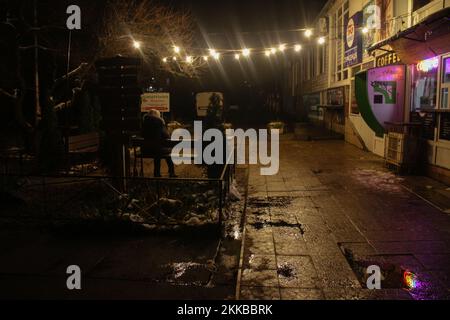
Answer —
329 198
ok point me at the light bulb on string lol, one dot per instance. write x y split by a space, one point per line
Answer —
308 33
246 52
136 44
297 48
237 56
176 49
321 40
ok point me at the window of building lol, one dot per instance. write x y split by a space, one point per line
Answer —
445 86
446 72
340 17
322 59
425 80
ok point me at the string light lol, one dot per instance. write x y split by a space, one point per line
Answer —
216 55
212 52
321 40
174 58
365 30
273 50
267 53
164 60
246 52
136 44
297 48
282 47
237 56
308 33
205 58
176 49
189 59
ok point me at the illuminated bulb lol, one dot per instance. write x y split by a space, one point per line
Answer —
205 58
189 59
308 33
164 60
212 52
216 55
268 53
176 49
321 40
297 48
246 52
282 47
136 44
273 50
237 56
365 30
174 58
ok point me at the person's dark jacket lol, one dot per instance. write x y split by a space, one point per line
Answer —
155 136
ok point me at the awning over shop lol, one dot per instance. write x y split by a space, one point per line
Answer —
429 38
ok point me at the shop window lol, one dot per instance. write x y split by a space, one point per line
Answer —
445 83
425 78
444 99
446 73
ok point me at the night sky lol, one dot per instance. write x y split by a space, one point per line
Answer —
253 22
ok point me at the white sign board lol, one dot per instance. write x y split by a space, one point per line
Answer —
156 100
203 101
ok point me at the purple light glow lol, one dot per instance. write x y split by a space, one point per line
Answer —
428 65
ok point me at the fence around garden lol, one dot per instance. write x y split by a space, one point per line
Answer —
147 201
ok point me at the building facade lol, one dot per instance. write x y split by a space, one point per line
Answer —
383 61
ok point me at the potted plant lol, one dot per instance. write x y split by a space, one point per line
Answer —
276 125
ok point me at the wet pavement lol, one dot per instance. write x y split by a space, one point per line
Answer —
198 263
331 211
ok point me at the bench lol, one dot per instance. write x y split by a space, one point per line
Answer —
137 142
82 148
84 143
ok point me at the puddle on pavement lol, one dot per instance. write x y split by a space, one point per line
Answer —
286 270
277 202
392 275
258 225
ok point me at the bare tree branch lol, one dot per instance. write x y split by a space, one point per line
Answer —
157 28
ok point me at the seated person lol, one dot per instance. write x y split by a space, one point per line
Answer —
156 142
